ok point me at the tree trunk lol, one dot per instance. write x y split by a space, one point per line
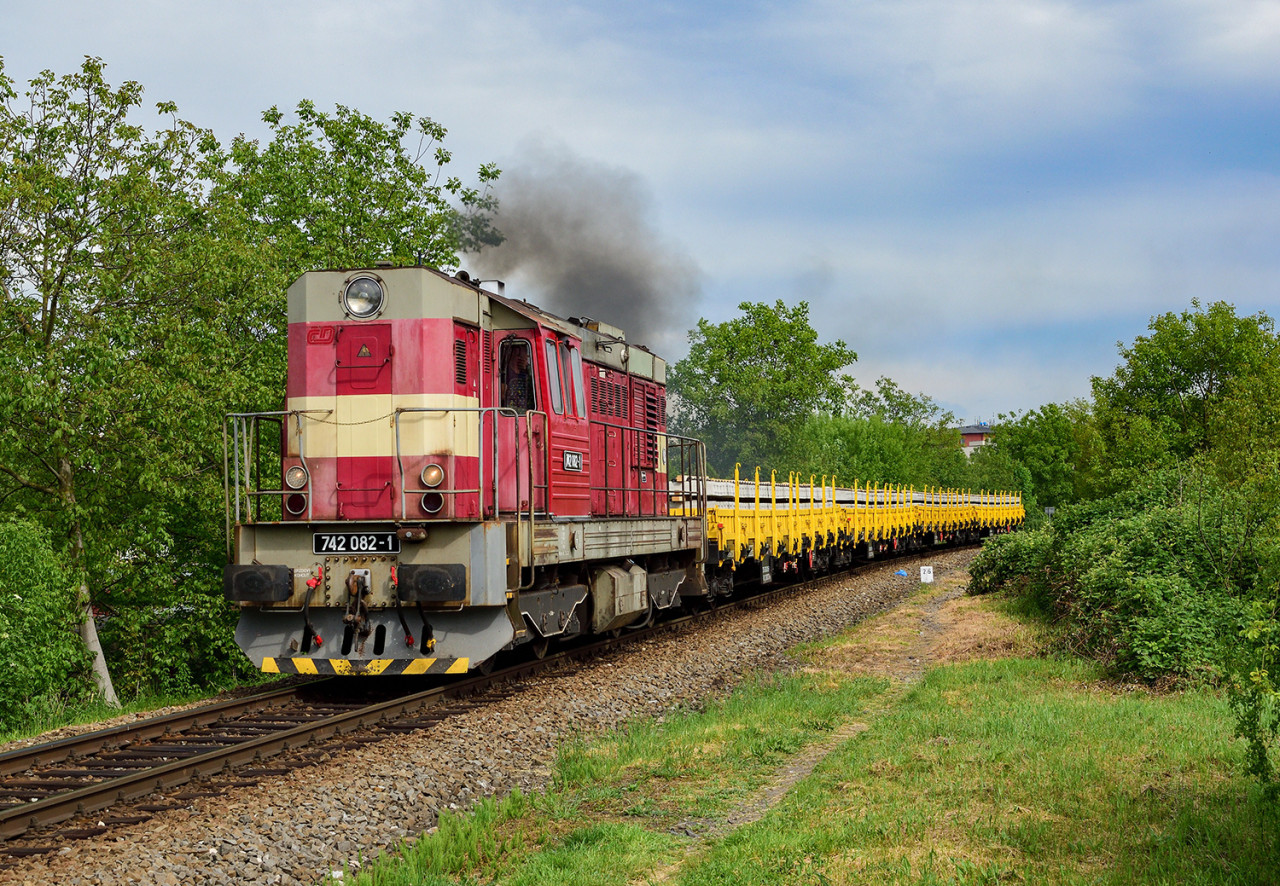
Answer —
88 628
89 634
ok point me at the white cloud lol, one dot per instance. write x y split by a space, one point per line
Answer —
822 149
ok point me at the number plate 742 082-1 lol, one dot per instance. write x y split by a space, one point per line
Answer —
355 543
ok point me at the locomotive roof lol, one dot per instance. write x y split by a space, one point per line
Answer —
601 343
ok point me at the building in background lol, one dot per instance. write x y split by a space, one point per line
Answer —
973 436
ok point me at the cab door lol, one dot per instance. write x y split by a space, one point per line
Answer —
569 458
516 434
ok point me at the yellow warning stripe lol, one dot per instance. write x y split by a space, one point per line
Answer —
342 667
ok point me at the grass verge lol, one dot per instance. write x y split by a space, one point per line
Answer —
982 771
52 712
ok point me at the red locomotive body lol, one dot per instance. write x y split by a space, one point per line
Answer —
459 459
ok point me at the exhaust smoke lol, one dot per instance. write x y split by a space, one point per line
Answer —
580 241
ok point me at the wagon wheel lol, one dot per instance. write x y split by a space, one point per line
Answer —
540 647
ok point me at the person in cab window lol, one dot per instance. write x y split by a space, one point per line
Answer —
517 383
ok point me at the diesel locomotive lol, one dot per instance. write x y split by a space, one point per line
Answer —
456 472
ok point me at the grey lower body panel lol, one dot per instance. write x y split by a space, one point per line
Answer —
569 540
475 634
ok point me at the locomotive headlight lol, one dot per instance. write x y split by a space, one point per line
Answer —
296 477
432 476
363 297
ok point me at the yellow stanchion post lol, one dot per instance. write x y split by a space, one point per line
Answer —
773 511
755 520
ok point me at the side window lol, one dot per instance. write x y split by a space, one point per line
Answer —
579 391
572 364
553 379
516 370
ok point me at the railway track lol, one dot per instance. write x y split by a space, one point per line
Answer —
227 745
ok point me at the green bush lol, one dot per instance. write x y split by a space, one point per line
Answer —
1015 562
1154 582
182 648
44 662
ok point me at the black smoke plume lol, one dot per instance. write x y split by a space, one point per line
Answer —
579 240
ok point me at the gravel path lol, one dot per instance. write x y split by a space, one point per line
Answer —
299 828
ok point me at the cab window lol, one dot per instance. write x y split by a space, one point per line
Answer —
572 363
553 379
516 369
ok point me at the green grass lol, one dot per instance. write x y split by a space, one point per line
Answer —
1008 771
1016 771
53 712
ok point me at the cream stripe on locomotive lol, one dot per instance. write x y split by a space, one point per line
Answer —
341 667
362 425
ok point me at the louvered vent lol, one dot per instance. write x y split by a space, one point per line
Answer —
460 361
652 414
620 401
608 398
488 348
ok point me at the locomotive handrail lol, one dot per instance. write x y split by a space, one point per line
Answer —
688 473
546 495
521 514
480 411
242 469
244 435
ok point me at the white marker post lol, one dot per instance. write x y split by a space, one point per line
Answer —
926 575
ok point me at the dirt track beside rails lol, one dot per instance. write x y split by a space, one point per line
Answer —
299 828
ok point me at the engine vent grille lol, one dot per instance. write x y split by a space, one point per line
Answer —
460 361
608 398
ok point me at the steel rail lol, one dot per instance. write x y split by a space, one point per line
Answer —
20 760
135 785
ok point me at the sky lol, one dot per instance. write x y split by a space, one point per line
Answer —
980 198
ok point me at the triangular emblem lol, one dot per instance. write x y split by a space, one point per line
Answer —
364 351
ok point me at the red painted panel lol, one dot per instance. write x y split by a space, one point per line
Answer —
424 357
321 487
570 443
460 491
570 468
608 401
370 488
362 362
364 488
423 351
465 351
311 370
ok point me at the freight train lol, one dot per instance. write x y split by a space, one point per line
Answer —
456 473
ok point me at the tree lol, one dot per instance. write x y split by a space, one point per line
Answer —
1168 564
344 190
1053 443
38 610
104 247
749 383
1164 399
891 403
